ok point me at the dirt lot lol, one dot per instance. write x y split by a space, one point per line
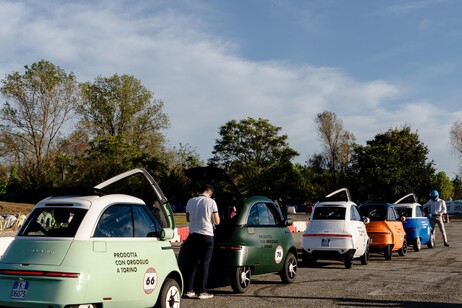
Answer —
13 208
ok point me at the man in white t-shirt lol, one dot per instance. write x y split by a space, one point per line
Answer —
196 251
437 208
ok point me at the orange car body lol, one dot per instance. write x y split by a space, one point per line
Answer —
385 229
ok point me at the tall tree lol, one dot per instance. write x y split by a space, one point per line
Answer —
457 184
39 103
337 143
251 149
455 135
123 123
391 165
444 185
120 106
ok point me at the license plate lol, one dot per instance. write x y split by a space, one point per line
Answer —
19 290
325 242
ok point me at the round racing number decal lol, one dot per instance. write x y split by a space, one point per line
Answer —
278 254
150 281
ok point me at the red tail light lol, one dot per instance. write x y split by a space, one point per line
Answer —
39 273
229 248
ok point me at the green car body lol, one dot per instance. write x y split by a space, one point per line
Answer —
253 238
110 250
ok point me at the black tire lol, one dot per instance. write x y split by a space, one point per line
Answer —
365 257
289 271
308 260
170 294
240 279
388 252
348 262
431 242
402 251
417 244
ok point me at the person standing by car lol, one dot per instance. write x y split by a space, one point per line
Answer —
437 208
196 251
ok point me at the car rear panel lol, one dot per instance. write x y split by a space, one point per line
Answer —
23 250
380 234
326 235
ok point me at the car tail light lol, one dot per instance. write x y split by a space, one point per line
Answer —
39 273
229 247
328 235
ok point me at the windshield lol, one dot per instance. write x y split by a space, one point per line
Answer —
329 213
53 222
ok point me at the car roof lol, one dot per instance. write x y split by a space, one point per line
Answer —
406 205
87 201
334 203
384 204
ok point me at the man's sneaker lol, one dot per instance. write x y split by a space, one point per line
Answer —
446 244
190 294
205 295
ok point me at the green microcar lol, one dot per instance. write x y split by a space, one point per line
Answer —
103 247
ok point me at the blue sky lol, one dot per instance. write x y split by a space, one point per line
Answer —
376 64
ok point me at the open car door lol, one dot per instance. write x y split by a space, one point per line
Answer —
139 183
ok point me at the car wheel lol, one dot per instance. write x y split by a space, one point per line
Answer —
348 263
417 244
388 252
402 251
308 260
431 242
289 271
365 256
170 294
240 279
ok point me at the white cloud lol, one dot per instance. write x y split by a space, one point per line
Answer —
202 80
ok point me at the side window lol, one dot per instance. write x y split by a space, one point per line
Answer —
145 225
116 221
354 213
392 214
261 215
418 211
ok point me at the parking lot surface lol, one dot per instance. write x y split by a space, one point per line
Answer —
428 278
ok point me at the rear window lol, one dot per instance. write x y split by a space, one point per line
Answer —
329 213
407 212
374 212
53 222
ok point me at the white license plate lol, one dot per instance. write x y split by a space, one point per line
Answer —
19 290
325 242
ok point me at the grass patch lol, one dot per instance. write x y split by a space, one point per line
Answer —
180 220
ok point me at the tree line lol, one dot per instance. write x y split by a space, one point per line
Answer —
58 132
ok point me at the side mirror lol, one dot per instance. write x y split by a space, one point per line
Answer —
289 222
166 234
366 220
402 218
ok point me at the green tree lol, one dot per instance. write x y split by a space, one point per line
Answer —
391 165
123 123
457 184
175 184
252 150
337 143
444 185
38 104
455 135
